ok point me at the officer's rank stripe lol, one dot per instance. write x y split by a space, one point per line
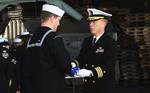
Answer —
99 72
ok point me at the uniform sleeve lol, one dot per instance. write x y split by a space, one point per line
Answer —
62 56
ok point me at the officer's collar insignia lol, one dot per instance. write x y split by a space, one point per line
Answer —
99 50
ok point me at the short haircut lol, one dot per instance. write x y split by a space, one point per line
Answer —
45 15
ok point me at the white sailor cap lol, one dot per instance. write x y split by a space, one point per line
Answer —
25 33
95 14
17 40
3 40
53 9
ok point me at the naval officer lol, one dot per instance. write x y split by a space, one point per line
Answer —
98 55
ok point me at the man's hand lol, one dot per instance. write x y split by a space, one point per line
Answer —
73 64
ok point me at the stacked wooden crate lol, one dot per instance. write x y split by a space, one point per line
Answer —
139 28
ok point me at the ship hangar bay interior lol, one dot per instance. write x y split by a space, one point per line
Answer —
132 75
